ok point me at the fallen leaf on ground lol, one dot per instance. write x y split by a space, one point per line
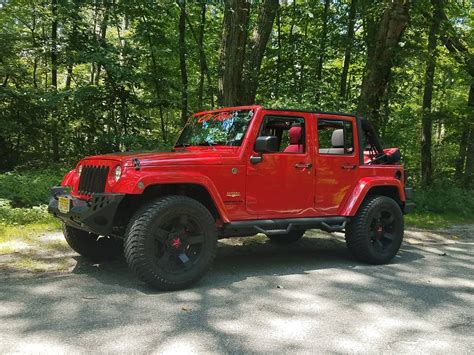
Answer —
89 298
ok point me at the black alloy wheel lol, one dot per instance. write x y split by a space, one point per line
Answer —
178 242
171 242
382 230
374 235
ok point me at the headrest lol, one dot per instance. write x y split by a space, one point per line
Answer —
295 134
337 139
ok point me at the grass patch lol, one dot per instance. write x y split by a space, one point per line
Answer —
6 249
59 245
31 264
429 220
28 232
28 263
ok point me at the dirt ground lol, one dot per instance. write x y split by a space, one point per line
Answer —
309 297
49 253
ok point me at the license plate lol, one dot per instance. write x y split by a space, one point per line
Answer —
64 204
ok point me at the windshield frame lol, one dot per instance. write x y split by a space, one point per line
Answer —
214 116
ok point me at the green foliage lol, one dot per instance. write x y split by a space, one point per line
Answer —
119 79
28 188
445 199
21 216
427 220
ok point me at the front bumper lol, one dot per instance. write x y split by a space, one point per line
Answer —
95 215
409 204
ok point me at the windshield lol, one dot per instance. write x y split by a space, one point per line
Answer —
217 128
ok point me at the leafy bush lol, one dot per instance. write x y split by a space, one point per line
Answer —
29 188
10 215
445 200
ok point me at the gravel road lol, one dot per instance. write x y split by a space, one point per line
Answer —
308 297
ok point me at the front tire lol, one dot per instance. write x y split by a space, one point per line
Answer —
92 246
375 233
171 242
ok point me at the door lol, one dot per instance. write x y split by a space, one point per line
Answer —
336 162
281 184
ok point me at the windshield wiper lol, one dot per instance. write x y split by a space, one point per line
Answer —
211 144
179 145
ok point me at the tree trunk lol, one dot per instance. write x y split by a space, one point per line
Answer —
103 34
322 50
72 46
54 77
69 76
379 63
426 121
232 53
348 50
302 88
5 81
34 44
182 61
202 69
278 63
469 172
202 60
163 125
466 59
35 69
462 153
292 46
257 44
96 14
54 44
155 76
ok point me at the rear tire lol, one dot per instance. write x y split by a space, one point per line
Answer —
92 246
289 238
375 233
171 242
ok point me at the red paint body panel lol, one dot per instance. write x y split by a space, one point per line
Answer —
332 182
278 187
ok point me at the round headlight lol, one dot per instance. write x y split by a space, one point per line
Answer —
117 172
79 170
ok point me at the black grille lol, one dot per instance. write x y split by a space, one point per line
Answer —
93 179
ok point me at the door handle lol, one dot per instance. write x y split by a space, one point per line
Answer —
348 166
303 166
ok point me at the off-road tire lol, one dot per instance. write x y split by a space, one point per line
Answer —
92 246
139 237
289 238
359 235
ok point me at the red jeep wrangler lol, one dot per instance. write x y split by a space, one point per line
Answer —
236 172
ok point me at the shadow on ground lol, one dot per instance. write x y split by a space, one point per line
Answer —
239 259
307 297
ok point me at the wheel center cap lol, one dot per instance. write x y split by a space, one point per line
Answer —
176 243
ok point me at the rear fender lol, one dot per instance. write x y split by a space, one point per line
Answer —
362 189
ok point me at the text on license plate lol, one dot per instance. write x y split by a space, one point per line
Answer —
64 204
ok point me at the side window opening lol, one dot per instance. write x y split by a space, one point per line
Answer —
335 137
290 131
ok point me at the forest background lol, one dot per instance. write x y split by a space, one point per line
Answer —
83 77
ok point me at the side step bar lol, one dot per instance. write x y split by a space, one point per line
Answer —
285 226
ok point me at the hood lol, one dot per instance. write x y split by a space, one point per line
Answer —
178 157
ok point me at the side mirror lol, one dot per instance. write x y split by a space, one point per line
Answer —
266 144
